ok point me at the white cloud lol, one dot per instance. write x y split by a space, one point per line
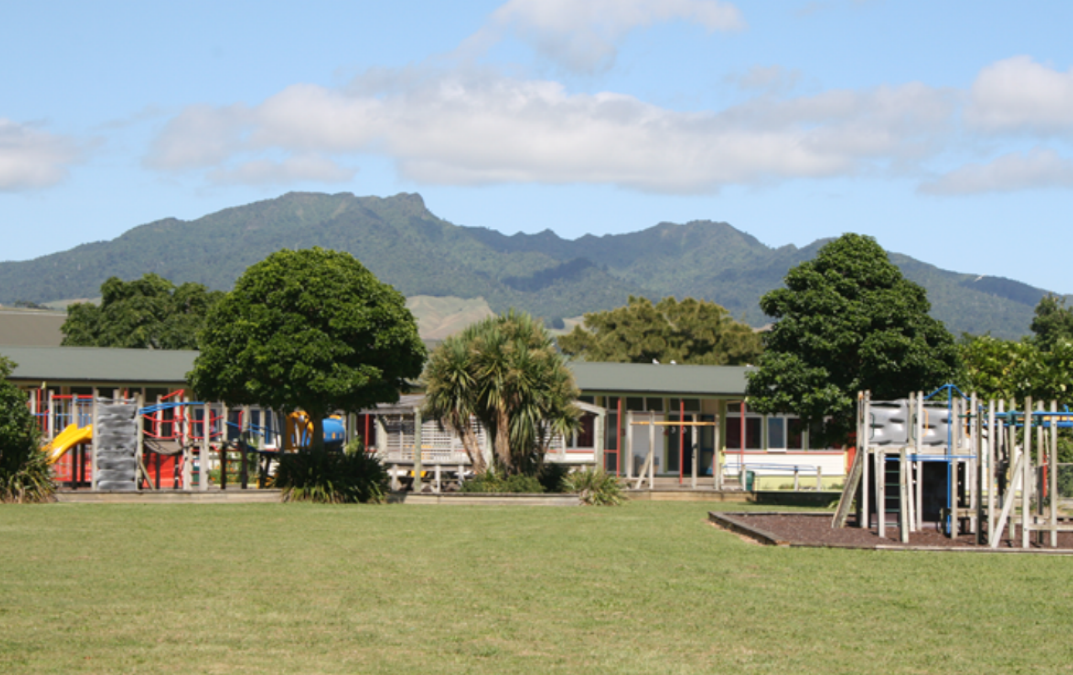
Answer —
1039 168
1020 95
291 170
199 136
31 158
772 79
453 129
582 34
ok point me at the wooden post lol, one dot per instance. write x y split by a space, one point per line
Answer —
863 448
436 488
696 451
797 475
94 442
223 465
1014 476
179 418
629 445
819 478
989 470
651 450
903 496
139 449
599 424
203 475
1041 463
418 485
1052 467
1026 475
972 468
918 424
1008 513
51 415
881 491
681 439
717 444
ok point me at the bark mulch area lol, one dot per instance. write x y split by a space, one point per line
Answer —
814 529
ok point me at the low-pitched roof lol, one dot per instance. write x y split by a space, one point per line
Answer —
108 366
99 365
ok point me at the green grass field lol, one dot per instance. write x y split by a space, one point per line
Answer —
647 588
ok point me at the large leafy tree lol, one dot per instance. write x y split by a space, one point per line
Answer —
1012 370
845 322
311 330
690 331
505 372
24 470
147 313
1053 322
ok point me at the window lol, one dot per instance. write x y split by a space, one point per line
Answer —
784 433
691 404
776 433
585 434
752 432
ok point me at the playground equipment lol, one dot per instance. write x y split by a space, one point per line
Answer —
299 430
122 444
72 436
960 463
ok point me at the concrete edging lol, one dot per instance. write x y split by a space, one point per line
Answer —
265 496
484 498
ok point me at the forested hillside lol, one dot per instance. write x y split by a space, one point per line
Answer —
421 254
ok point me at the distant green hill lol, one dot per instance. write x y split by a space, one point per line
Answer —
422 254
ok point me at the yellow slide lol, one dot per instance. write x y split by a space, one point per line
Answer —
68 438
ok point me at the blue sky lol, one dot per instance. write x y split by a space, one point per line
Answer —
941 128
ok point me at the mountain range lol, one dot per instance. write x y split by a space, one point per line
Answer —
406 245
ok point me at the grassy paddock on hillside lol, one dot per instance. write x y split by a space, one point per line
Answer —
646 588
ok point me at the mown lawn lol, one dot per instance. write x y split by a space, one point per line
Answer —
647 588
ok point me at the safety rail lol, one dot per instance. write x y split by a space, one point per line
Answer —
761 470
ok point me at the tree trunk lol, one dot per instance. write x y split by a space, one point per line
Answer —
316 441
502 441
473 449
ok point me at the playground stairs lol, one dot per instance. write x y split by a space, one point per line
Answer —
892 490
212 496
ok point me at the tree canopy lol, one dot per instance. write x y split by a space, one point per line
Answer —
1053 321
847 321
313 330
147 313
25 475
690 331
505 372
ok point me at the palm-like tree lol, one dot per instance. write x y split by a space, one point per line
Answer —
506 372
449 395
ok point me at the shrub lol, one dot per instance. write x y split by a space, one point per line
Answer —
595 487
551 476
25 475
490 482
331 477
